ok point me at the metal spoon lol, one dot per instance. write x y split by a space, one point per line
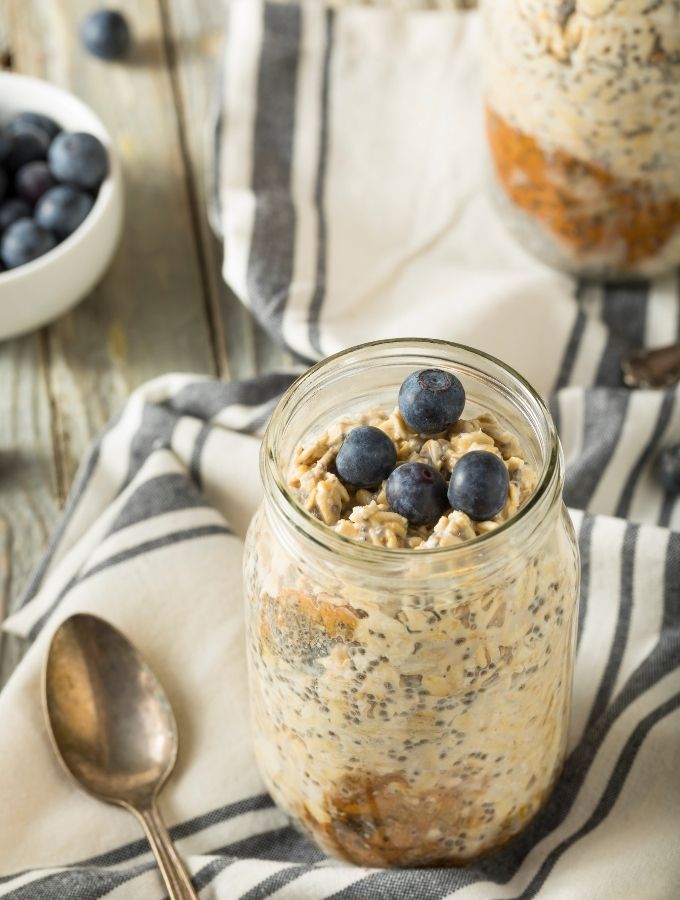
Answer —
113 729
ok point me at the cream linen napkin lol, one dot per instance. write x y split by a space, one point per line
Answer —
349 175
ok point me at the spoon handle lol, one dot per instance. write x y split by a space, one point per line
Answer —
177 882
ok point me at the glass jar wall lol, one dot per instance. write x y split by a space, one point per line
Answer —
410 707
583 123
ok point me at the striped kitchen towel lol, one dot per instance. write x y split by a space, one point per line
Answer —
151 539
350 197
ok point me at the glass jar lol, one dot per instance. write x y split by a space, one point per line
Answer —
410 707
583 122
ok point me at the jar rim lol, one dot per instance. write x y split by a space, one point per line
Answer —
274 480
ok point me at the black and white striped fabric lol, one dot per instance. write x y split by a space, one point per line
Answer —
351 201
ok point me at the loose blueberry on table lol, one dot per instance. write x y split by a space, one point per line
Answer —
418 477
49 179
106 34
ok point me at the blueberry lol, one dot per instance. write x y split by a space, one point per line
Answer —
5 147
20 124
479 485
24 241
34 119
367 456
11 210
26 146
78 158
4 182
417 492
431 400
62 209
32 180
106 34
668 468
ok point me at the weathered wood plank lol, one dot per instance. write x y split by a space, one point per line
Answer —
148 316
28 488
194 35
29 501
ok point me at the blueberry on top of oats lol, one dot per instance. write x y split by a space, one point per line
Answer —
479 485
367 456
430 400
335 478
417 492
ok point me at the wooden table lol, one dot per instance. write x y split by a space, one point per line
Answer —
163 305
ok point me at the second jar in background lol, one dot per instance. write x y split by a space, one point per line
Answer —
583 123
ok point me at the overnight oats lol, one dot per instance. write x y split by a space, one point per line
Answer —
583 123
411 593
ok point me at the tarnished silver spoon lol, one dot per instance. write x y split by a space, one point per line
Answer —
113 729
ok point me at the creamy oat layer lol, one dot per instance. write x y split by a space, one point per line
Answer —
598 79
411 726
583 103
421 720
365 515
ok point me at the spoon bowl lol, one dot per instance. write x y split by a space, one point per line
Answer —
110 718
113 728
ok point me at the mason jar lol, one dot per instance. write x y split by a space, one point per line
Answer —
583 123
410 707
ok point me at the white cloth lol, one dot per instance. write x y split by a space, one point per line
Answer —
369 147
352 208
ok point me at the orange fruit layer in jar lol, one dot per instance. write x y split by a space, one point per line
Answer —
410 726
585 208
582 106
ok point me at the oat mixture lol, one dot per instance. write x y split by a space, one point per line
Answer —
365 515
583 106
417 721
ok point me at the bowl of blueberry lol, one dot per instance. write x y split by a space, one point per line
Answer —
61 202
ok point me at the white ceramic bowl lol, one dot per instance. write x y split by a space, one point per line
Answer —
43 289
